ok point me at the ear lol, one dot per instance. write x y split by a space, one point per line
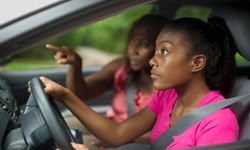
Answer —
198 62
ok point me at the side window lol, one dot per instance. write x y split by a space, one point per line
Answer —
193 11
240 60
202 13
97 43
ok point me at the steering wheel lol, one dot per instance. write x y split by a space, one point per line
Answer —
57 126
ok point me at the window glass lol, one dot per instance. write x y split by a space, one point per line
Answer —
193 11
97 43
240 60
16 8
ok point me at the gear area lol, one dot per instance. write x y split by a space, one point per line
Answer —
9 111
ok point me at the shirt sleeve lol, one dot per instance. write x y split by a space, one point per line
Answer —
154 103
159 100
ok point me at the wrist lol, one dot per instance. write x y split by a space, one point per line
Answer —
67 96
77 61
75 67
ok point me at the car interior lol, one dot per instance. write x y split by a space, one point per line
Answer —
28 119
237 18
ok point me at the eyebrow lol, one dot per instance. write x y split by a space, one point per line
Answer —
166 42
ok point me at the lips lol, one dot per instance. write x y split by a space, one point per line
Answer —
154 74
133 62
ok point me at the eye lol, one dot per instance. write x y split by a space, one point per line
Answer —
132 42
144 44
163 51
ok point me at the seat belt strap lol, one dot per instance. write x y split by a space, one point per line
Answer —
190 119
130 94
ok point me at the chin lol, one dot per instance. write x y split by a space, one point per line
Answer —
135 68
159 86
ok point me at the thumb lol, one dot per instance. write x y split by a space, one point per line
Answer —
46 84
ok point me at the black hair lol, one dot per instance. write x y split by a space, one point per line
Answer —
212 39
155 23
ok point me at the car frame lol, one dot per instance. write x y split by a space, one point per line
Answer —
66 15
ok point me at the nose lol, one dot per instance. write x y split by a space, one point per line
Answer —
133 50
153 62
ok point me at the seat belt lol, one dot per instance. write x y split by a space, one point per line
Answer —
190 119
130 94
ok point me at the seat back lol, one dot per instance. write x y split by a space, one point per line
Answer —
242 108
237 20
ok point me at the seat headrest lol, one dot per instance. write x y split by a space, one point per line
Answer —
237 19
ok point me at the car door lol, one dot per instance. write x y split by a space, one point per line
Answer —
48 20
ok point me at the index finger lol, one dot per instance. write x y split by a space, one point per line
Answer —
52 47
55 48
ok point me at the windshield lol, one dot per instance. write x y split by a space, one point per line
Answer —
11 9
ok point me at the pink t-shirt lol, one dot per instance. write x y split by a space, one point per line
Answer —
219 127
118 111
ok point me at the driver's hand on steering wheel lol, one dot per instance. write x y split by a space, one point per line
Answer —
53 89
79 146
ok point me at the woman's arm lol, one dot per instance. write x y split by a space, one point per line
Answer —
98 83
110 132
91 86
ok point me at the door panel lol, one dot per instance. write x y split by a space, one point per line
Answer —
18 82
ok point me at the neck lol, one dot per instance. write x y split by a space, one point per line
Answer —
191 94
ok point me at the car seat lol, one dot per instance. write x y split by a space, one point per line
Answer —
237 19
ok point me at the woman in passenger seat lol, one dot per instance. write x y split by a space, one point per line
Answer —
140 48
193 66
